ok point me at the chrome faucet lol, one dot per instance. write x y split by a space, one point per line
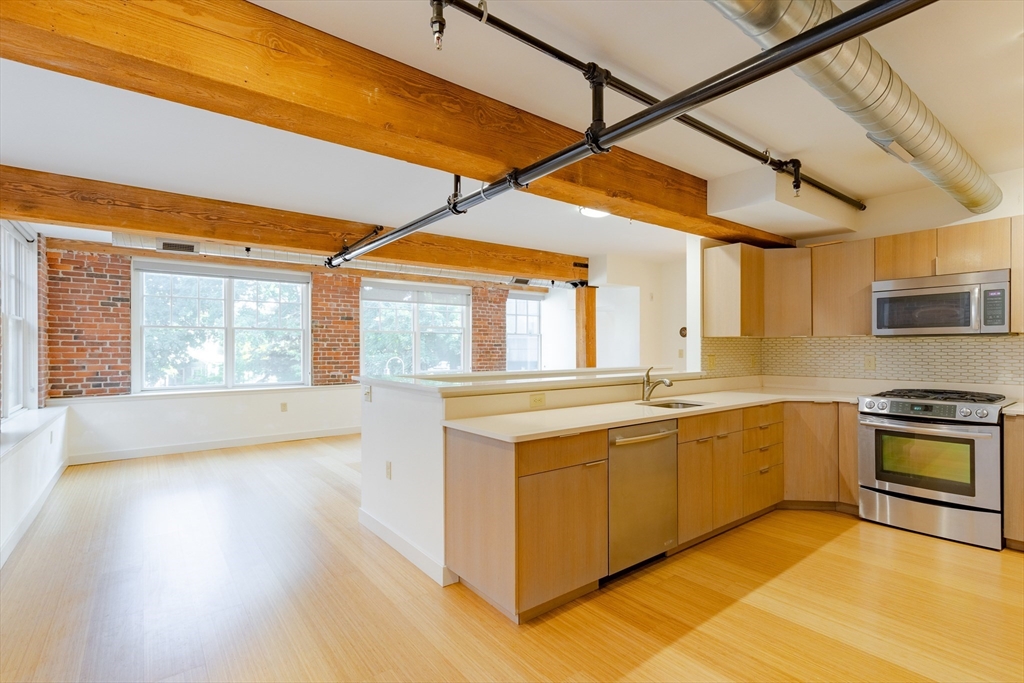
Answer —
649 385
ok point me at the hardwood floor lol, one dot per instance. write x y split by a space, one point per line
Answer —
249 564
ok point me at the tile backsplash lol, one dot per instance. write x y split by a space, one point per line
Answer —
977 360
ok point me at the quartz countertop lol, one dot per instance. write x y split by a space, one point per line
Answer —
1014 409
542 424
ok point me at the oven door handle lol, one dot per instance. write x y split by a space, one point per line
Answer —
925 430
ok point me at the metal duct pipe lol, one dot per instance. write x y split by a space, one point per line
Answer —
863 85
861 19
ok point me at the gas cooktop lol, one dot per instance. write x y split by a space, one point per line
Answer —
936 404
943 395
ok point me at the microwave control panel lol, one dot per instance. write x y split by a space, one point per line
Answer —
993 310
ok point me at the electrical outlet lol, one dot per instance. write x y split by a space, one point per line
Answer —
538 400
284 407
711 361
387 469
682 353
368 394
869 361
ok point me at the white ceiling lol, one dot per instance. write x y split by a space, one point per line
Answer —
965 59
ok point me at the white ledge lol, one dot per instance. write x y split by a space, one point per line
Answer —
18 429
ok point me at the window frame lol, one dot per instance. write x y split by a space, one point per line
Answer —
412 286
229 274
526 296
26 348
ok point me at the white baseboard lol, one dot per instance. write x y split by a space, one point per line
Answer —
439 573
8 547
128 454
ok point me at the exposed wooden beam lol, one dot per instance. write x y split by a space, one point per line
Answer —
235 58
586 327
64 200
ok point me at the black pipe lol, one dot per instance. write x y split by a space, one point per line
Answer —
836 31
638 95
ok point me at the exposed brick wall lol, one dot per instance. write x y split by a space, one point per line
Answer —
89 324
43 284
335 327
488 312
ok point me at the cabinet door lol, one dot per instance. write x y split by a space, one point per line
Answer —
849 483
727 479
695 488
1013 478
562 532
762 489
841 276
787 292
911 254
734 291
974 246
811 443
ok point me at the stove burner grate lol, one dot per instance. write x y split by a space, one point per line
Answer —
943 395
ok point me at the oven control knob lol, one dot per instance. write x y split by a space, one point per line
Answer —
869 404
965 412
982 413
882 405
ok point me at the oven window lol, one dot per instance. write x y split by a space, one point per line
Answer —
933 463
951 309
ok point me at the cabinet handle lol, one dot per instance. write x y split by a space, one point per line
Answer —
565 436
764 448
764 426
594 464
721 436
765 470
704 440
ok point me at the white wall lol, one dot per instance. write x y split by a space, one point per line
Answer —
618 326
137 425
558 330
28 471
673 314
623 271
694 301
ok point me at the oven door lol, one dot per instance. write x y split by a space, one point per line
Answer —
936 310
959 464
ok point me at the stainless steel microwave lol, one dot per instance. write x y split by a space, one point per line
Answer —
966 303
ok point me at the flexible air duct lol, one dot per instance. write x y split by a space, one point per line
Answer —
863 85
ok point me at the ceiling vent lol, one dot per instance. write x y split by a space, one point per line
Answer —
177 247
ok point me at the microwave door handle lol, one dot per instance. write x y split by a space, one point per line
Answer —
976 307
926 430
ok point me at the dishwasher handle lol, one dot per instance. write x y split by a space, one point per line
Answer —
626 440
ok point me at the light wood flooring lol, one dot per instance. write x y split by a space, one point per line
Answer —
249 564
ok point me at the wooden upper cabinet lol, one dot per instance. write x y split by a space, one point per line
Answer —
974 246
911 254
734 291
787 292
811 444
1017 274
841 277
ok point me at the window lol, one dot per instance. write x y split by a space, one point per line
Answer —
17 274
522 327
219 328
410 331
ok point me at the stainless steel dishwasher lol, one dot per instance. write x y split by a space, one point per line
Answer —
642 518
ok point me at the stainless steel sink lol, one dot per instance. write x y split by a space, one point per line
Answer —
672 405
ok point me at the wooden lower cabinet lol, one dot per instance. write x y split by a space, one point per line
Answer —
849 479
726 479
562 521
762 488
694 473
1013 478
812 452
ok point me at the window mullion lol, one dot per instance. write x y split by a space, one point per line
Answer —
229 332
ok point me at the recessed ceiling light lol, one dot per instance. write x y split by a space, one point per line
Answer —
592 213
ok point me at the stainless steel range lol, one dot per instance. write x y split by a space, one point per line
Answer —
931 461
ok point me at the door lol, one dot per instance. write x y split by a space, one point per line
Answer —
727 478
953 463
812 452
695 482
562 534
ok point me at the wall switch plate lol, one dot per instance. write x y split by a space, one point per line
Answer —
51 436
368 394
682 353
711 361
387 469
284 407
538 400
869 361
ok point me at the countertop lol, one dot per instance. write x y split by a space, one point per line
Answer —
1015 409
541 424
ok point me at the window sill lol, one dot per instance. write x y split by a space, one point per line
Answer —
21 427
159 395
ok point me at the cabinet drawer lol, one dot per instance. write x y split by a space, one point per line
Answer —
561 451
712 424
762 489
757 416
758 459
762 436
